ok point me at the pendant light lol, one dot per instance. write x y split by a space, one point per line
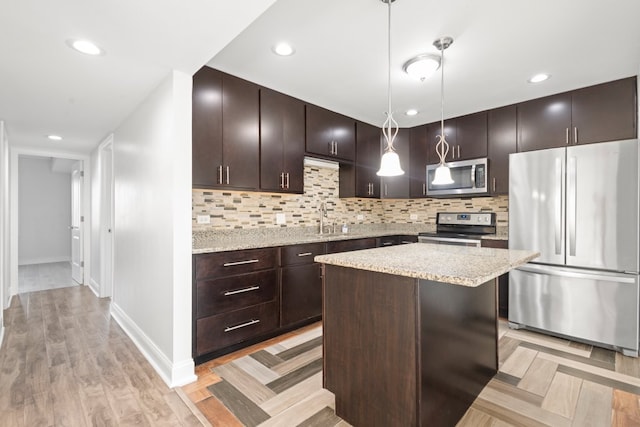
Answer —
390 161
443 174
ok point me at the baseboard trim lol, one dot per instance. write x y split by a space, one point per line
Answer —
44 260
173 374
94 286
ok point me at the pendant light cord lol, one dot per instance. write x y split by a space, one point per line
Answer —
390 126
442 147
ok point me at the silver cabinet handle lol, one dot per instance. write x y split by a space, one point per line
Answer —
494 184
575 135
566 136
572 211
287 182
227 175
305 254
387 243
249 261
281 179
386 190
220 179
242 325
458 151
336 145
241 291
424 188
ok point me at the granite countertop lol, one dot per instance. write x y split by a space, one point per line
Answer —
458 265
233 240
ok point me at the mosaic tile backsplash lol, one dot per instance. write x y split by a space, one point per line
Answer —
249 210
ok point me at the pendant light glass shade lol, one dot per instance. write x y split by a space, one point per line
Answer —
390 161
443 174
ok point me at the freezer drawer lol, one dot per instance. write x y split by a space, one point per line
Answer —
598 307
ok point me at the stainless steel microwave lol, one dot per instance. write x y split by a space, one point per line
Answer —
470 177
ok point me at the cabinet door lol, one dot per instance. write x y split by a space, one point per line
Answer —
471 136
281 142
605 112
433 130
501 143
329 134
301 297
418 153
240 133
544 122
397 187
207 127
367 160
503 281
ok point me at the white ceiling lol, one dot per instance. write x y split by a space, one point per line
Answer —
47 88
340 60
341 52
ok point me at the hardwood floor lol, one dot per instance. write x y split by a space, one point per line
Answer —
42 277
65 362
543 381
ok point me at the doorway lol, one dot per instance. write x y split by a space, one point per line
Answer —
46 247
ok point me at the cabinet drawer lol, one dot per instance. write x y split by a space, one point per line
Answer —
351 245
217 332
236 262
301 254
233 293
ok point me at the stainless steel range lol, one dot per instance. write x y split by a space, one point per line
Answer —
460 228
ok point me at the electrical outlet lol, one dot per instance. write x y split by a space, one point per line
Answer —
413 216
281 219
203 219
360 217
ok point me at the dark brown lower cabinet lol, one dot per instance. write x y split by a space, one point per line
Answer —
503 281
301 297
413 353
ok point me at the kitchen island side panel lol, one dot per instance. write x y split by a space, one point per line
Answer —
458 348
370 346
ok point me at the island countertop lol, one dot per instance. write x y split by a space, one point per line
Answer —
458 265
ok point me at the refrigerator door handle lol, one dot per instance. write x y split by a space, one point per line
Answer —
618 278
572 195
558 208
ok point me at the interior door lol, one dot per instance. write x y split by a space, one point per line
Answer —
77 264
602 206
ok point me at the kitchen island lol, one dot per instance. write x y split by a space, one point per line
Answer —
410 332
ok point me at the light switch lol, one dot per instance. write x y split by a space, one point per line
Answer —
203 219
360 217
413 216
281 219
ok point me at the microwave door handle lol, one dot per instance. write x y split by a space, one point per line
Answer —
473 176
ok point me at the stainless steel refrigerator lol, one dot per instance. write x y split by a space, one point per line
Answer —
577 206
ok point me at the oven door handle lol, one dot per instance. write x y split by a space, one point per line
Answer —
428 239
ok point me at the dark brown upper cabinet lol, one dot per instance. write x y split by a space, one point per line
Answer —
604 112
281 142
397 187
329 134
502 138
418 159
368 153
225 131
466 136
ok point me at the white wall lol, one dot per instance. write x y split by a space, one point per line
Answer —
44 207
152 228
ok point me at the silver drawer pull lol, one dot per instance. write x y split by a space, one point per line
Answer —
242 325
239 291
305 254
249 261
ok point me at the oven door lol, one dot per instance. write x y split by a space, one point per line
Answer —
456 241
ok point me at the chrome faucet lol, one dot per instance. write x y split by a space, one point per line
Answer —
323 213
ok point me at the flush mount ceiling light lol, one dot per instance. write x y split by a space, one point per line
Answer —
421 66
54 137
539 78
283 49
411 112
443 174
390 161
85 46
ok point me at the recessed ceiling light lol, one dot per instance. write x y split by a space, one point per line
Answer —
539 78
283 49
86 47
54 137
411 112
421 66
